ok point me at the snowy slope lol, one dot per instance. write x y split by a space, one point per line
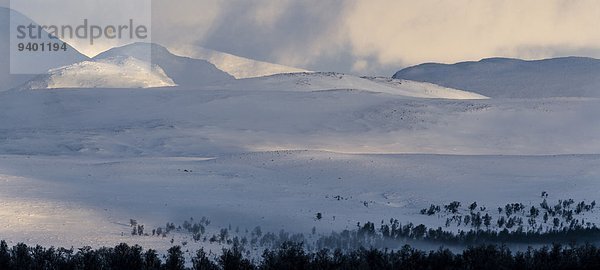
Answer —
76 166
237 66
106 73
184 71
76 201
54 60
330 81
173 122
513 78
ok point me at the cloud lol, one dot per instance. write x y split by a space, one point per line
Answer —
411 32
286 31
184 21
374 36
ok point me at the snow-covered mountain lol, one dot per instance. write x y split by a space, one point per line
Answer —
183 70
237 66
30 59
110 70
115 72
513 78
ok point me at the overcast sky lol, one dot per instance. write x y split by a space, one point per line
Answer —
378 37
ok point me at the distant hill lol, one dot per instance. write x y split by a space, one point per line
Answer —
49 61
183 70
331 81
115 72
513 78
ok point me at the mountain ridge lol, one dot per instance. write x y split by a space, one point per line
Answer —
185 71
514 78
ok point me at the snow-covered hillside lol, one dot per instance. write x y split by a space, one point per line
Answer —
76 166
239 67
330 81
513 78
172 122
118 72
184 71
29 59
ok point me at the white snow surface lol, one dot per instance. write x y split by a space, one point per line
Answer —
183 70
75 201
331 81
77 164
117 72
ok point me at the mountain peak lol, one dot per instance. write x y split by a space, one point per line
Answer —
183 70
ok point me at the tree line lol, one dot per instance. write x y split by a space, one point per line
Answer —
294 256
